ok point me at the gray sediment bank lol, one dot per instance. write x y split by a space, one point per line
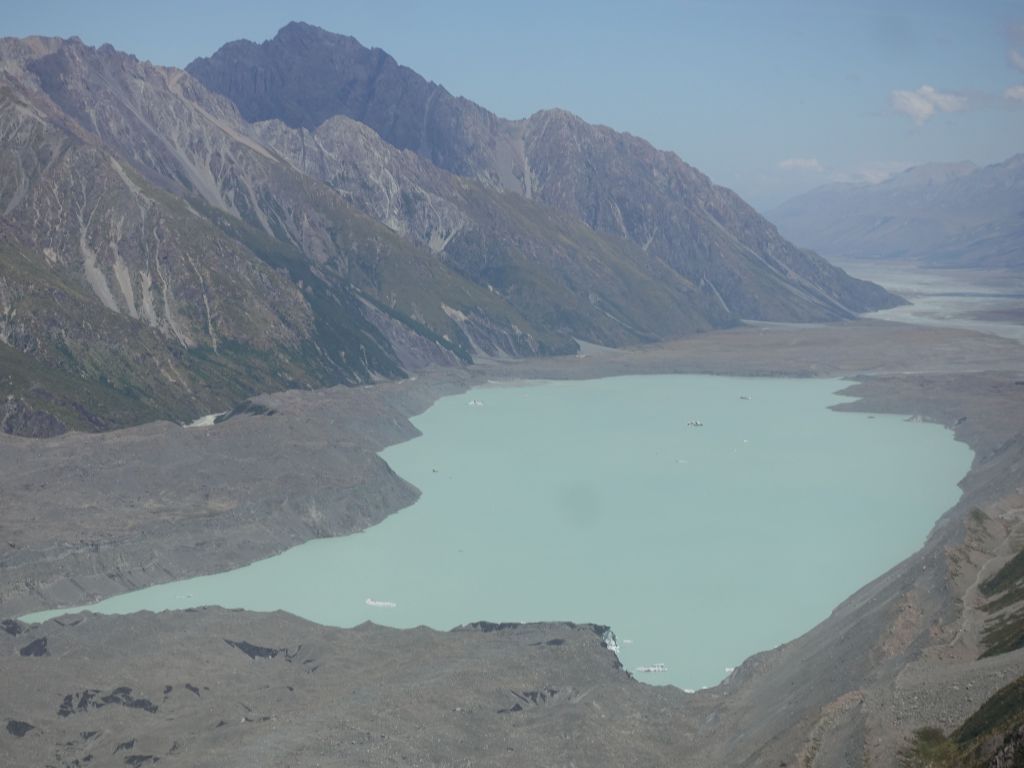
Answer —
87 516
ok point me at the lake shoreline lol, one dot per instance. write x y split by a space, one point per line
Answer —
606 471
95 563
881 665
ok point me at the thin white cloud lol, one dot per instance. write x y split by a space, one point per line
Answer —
801 164
1014 93
1017 59
925 102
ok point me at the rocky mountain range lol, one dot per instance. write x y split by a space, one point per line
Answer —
306 212
940 214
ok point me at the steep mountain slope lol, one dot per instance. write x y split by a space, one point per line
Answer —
614 183
163 257
194 144
620 184
545 263
155 252
943 214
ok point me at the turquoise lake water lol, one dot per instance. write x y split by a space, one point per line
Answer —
594 501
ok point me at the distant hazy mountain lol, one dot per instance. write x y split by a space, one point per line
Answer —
165 253
943 214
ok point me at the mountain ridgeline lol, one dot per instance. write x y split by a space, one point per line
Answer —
306 212
940 215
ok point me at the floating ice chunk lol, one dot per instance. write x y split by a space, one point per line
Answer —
205 421
610 642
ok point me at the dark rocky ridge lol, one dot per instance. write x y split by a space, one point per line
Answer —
305 75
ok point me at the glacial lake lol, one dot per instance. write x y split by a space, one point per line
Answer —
594 501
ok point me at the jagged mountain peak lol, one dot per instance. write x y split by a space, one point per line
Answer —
304 33
299 34
335 69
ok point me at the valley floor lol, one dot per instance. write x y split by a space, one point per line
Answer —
86 516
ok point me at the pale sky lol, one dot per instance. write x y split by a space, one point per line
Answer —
769 97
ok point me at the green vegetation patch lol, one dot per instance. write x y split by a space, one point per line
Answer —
1004 710
1004 632
974 742
930 747
1010 577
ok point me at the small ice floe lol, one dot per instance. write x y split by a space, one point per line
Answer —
205 421
695 423
610 642
380 603
659 667
744 397
476 403
627 642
